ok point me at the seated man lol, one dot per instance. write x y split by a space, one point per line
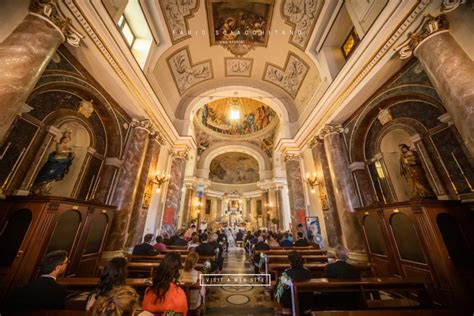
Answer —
301 241
44 292
207 249
297 272
180 241
341 270
145 248
285 242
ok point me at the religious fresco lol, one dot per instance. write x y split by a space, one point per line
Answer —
254 116
246 22
234 168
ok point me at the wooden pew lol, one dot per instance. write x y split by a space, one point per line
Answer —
366 286
419 312
147 268
295 248
159 258
307 258
177 247
317 269
182 252
314 252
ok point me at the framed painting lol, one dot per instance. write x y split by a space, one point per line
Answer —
239 22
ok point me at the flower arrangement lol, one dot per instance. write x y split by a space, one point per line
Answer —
284 283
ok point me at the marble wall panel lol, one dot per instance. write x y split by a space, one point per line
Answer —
173 196
295 188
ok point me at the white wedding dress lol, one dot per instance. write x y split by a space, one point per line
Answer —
230 238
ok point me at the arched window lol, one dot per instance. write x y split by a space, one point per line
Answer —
96 234
374 236
12 234
406 238
65 231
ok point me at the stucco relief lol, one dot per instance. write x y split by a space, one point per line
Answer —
176 15
290 77
302 16
185 73
240 67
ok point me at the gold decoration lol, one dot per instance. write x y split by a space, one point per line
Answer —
86 108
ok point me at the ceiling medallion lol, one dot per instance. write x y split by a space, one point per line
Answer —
238 49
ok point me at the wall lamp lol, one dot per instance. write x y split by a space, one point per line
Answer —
159 180
312 181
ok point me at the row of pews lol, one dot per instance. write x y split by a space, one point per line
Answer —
374 295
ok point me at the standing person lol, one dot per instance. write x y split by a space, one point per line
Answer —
145 248
164 294
113 276
44 292
190 275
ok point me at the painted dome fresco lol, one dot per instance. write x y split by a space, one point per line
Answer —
236 117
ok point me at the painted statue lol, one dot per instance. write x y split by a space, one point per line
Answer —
56 167
412 170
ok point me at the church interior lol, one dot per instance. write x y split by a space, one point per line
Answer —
288 134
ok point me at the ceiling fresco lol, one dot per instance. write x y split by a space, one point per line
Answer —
239 21
234 168
254 117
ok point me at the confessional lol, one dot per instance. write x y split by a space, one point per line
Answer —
31 226
426 238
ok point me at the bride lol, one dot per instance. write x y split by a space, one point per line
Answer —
230 237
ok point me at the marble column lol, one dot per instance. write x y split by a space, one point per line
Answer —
106 181
140 209
284 204
326 191
219 210
345 192
187 205
295 188
248 209
450 70
362 180
24 55
127 181
173 195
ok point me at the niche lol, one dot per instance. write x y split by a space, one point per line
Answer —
391 155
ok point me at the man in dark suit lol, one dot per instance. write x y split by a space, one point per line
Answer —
145 248
208 249
297 272
44 292
285 242
301 242
180 241
239 236
341 269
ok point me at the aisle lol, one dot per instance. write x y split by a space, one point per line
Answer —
244 300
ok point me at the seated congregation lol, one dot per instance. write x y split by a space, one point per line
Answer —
163 277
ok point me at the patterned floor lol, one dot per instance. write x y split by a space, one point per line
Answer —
244 300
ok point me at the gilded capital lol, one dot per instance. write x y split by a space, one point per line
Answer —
49 9
293 156
330 129
180 154
429 26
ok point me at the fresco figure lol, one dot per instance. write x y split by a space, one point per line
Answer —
56 167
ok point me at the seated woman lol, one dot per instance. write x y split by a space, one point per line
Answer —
272 242
297 272
191 275
120 301
193 243
164 295
160 245
113 276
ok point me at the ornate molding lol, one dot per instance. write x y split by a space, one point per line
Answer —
302 17
429 25
150 128
49 10
238 67
180 154
177 14
185 73
450 5
292 156
330 129
290 77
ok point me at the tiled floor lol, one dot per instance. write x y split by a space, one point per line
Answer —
244 300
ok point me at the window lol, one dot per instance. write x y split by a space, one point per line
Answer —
350 43
126 31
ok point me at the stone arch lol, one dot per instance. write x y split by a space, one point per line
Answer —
215 150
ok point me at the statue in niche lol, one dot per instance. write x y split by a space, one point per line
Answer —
56 167
412 170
